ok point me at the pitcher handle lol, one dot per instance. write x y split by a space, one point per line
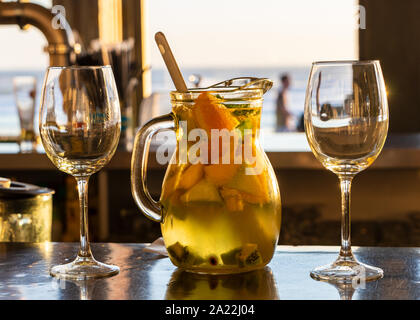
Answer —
139 158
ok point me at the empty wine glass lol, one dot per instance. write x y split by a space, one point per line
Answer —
80 125
346 123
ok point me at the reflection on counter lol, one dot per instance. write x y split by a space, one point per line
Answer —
79 289
254 285
345 290
145 276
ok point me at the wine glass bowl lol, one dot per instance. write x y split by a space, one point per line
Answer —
80 125
346 124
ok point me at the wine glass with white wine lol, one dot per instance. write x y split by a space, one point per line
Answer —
346 124
80 125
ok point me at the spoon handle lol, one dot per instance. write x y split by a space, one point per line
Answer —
170 62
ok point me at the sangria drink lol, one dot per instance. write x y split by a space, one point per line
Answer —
220 201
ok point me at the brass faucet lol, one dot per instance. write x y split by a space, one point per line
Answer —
60 40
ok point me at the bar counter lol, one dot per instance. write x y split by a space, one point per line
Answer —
24 275
286 151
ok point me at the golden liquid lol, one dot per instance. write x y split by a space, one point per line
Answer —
80 152
211 235
255 285
349 148
28 140
27 135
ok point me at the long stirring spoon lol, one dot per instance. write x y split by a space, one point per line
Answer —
170 62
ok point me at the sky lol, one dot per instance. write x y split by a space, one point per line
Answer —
224 33
254 33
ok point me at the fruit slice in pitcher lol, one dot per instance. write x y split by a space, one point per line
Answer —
220 174
233 199
191 176
253 188
203 191
172 180
248 255
209 114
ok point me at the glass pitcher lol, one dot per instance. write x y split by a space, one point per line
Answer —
220 209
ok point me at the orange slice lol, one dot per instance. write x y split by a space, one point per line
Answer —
209 114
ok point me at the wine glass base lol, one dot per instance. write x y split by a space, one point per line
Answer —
84 268
347 270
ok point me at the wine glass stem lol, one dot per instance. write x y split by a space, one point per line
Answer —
345 184
82 187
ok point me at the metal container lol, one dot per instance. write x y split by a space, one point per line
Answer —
25 213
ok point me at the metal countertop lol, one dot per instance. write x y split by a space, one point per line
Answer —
24 275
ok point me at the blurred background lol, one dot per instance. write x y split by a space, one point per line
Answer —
214 41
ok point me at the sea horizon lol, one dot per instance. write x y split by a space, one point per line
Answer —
162 84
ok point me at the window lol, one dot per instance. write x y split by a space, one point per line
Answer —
23 55
222 39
